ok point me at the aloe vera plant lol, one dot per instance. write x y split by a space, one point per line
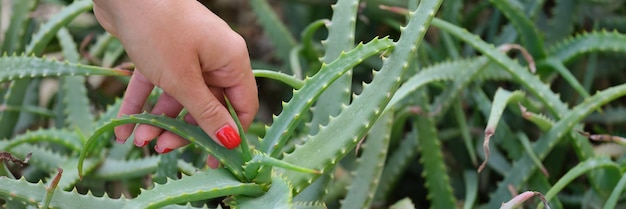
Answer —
438 98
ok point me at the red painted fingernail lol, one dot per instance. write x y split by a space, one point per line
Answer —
228 137
141 145
165 150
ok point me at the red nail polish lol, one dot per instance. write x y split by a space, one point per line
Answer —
141 145
228 137
165 150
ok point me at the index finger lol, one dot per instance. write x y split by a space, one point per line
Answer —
244 98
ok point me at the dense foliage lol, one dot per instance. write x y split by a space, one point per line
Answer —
401 104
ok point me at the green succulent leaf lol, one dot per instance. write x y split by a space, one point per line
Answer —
278 196
19 67
203 185
229 158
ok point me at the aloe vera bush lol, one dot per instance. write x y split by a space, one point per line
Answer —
482 104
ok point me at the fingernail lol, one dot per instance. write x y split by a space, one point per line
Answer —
163 151
228 137
140 144
120 141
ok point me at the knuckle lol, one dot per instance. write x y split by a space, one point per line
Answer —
210 111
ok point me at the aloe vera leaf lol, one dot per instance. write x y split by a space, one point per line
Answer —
262 159
30 98
245 149
284 124
543 122
617 191
294 61
343 132
371 163
581 168
512 148
302 99
500 100
397 162
16 204
451 10
20 67
290 80
68 46
444 71
32 194
450 95
590 71
65 138
102 42
340 38
111 169
521 172
278 196
532 39
229 158
309 205
465 131
119 169
41 158
70 172
562 22
529 151
15 94
4 170
14 35
567 75
308 47
318 190
471 188
447 71
436 177
539 182
404 203
531 83
570 48
338 186
341 30
277 31
203 185
167 167
74 96
35 110
114 52
47 31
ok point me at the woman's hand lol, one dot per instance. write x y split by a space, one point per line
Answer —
193 55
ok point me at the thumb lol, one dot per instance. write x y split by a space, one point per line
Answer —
208 111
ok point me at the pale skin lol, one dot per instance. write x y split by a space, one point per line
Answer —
189 52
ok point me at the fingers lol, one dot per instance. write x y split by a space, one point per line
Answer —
236 78
167 106
212 162
192 92
243 97
137 92
169 141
